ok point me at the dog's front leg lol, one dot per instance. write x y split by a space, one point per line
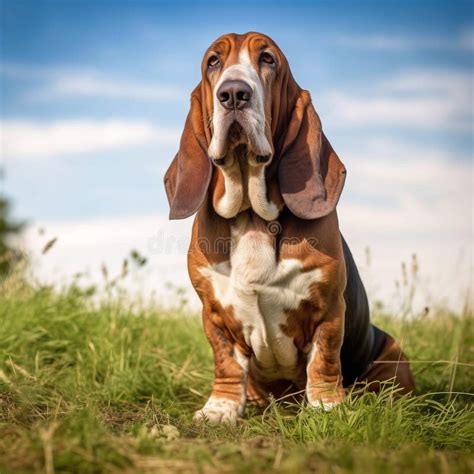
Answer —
324 380
228 397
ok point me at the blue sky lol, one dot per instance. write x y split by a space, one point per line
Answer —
94 96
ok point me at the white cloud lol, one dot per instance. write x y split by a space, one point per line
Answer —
420 113
26 140
400 200
421 188
453 83
95 85
439 234
426 100
84 246
59 82
391 43
391 161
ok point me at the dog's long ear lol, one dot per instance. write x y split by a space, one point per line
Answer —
310 173
188 176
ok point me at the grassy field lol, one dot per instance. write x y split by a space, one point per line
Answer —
111 387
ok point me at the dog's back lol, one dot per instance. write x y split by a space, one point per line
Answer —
362 341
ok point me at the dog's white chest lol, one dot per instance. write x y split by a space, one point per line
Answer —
261 290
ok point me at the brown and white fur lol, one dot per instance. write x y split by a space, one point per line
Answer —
283 305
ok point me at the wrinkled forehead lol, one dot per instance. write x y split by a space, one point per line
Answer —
231 46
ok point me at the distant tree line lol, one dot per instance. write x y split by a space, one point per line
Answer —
8 228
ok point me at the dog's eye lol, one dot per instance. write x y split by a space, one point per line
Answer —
267 58
213 61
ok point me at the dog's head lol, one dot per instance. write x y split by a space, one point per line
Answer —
248 97
239 72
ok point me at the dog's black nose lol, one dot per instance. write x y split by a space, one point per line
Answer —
234 94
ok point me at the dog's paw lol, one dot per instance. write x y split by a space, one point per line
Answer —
320 405
218 410
324 399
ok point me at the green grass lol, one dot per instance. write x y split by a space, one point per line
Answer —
111 387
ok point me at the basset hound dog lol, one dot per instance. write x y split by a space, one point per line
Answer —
284 308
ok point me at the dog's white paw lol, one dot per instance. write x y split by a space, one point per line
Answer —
325 406
218 410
